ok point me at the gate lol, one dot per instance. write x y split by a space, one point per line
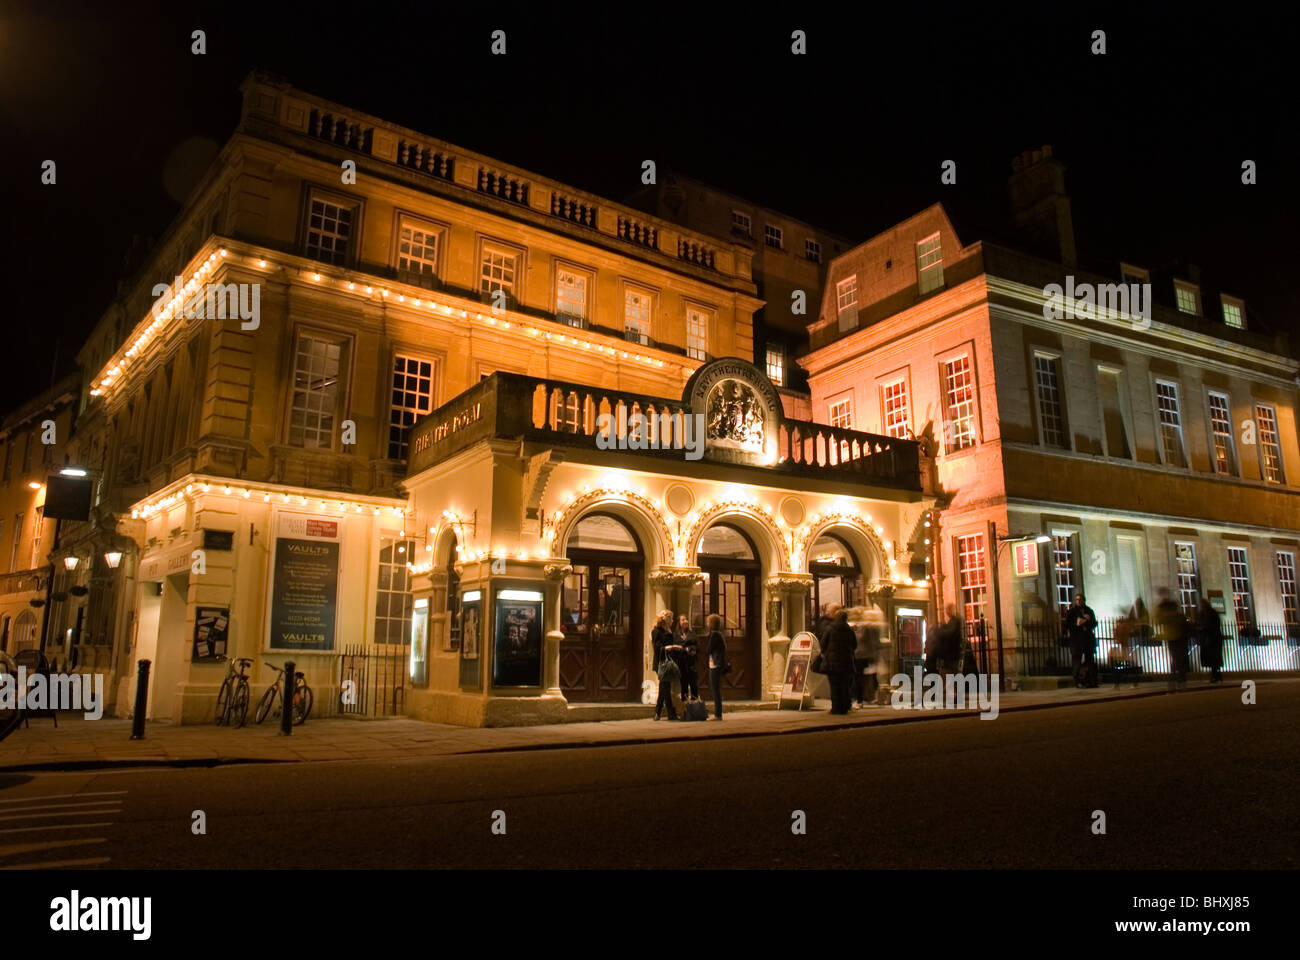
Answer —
378 680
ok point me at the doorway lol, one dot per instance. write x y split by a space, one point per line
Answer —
837 577
730 589
600 613
163 640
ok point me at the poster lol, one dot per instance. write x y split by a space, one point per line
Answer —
797 665
517 660
211 629
471 613
304 591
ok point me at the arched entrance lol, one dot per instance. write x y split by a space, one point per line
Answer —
600 612
837 576
731 569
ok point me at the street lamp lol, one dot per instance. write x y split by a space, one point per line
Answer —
113 558
997 593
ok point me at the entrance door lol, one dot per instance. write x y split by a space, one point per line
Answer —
600 614
730 589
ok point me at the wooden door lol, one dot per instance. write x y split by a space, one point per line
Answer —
600 617
730 591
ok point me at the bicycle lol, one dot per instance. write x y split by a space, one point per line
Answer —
233 697
302 697
11 717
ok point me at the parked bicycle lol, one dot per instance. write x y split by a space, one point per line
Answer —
11 717
274 697
232 699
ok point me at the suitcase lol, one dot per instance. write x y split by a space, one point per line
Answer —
695 710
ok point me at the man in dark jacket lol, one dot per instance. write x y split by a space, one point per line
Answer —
837 646
1209 633
1080 629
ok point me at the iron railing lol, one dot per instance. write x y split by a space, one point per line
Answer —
374 678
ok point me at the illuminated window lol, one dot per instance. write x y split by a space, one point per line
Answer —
637 307
317 390
393 603
38 531
959 403
497 272
1270 444
1171 424
571 297
972 579
812 250
773 236
1114 412
329 230
1221 434
1189 580
1186 297
412 398
929 264
1286 580
846 302
1063 572
776 364
898 421
1239 576
18 539
1234 314
417 250
1047 379
697 334
840 413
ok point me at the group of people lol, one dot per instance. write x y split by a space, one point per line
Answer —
1177 630
675 642
850 653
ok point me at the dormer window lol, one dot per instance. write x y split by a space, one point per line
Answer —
1187 298
1131 274
1234 312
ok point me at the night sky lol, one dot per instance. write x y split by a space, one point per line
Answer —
849 137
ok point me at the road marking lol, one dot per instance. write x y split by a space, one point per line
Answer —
62 806
57 826
56 863
67 813
66 796
14 848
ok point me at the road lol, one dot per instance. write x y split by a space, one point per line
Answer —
1191 781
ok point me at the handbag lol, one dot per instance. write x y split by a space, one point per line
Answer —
818 664
668 670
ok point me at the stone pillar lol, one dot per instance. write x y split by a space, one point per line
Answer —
792 590
555 572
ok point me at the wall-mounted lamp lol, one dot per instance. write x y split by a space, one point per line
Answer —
35 484
113 558
70 563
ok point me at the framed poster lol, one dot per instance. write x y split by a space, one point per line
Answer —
211 629
517 646
304 583
471 613
798 662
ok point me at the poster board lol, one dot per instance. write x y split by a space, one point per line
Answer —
471 610
304 583
797 685
211 630
517 639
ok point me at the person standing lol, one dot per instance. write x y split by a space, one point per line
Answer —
689 658
1210 634
661 638
837 646
1081 628
1173 626
864 658
716 650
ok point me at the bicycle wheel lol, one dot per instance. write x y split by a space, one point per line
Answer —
302 704
223 702
239 706
264 707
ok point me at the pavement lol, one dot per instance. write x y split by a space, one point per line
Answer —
80 744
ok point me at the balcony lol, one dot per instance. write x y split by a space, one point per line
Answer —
575 211
340 130
426 159
503 186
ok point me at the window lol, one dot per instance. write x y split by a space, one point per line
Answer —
929 264
1221 434
697 334
18 538
1131 274
318 367
636 316
1171 427
840 413
1050 414
741 223
329 230
893 398
959 403
1186 297
776 364
417 250
38 531
393 596
846 302
497 272
1234 313
1189 581
1063 573
1270 444
1114 413
812 250
27 453
1239 577
773 236
972 582
1286 581
571 297
412 398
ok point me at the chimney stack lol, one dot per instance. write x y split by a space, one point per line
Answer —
1040 205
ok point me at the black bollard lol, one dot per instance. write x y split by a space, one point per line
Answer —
286 701
141 701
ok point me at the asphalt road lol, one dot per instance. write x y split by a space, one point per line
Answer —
1192 781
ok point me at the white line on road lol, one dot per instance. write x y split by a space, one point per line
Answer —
58 826
68 813
66 796
14 848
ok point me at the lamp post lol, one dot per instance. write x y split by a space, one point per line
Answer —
1001 542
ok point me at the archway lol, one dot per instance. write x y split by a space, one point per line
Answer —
601 607
730 563
837 576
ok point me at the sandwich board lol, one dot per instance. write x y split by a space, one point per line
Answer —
797 685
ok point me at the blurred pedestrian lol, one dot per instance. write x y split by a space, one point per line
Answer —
1174 628
1210 635
837 647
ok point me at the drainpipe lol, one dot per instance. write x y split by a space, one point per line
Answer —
49 591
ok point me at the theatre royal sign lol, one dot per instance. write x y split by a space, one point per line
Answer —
741 411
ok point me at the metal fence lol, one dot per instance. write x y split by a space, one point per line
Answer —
377 676
1044 650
